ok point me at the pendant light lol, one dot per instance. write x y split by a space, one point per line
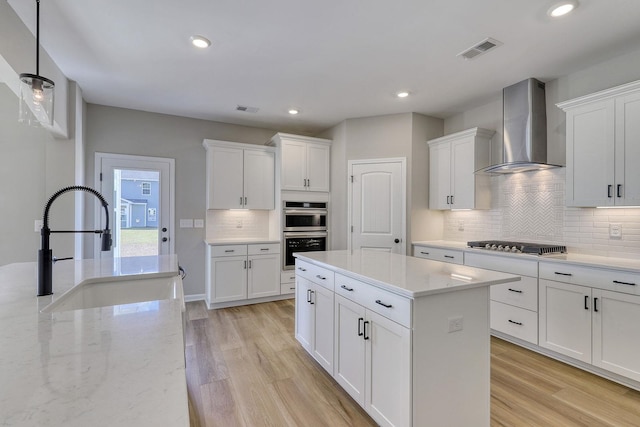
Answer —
36 92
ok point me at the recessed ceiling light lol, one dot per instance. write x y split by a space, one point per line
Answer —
200 42
402 94
293 111
562 8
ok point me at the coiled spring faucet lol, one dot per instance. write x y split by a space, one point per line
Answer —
45 258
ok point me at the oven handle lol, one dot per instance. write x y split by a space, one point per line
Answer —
305 234
305 212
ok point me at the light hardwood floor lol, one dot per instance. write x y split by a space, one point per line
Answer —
245 368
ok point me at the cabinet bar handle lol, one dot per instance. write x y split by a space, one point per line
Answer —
311 298
245 265
360 333
562 274
305 182
617 282
292 289
320 277
383 304
229 250
309 295
515 290
586 302
619 187
302 269
245 201
609 190
449 256
424 253
240 200
448 200
308 182
366 337
249 263
595 305
452 199
264 249
515 323
346 288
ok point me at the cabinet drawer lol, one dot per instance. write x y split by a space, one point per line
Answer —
228 250
523 294
385 303
288 276
287 288
316 274
515 321
503 263
601 278
438 254
269 248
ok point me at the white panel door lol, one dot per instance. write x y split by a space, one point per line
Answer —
226 178
616 332
294 165
259 179
388 371
565 319
627 191
318 167
378 206
263 276
229 276
440 176
462 174
349 347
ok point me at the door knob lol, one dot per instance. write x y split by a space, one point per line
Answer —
397 240
164 239
164 229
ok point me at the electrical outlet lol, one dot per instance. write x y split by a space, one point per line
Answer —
239 223
460 225
615 231
455 324
37 225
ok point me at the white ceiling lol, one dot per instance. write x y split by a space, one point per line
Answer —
331 59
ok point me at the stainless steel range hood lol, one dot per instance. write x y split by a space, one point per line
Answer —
524 146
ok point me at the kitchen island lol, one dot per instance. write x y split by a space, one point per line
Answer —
407 338
120 365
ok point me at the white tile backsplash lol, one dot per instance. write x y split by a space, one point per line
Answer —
530 206
237 224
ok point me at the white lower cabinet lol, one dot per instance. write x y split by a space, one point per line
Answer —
314 321
241 273
363 343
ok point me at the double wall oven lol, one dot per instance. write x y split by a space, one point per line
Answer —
304 229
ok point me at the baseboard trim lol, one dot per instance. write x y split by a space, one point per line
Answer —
194 297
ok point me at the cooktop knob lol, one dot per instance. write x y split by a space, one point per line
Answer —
494 247
506 248
487 246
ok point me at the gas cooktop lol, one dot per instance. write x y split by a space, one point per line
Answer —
518 247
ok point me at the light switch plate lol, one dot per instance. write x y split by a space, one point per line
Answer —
198 223
186 223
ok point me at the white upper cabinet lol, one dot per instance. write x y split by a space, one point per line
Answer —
240 176
304 162
603 130
453 159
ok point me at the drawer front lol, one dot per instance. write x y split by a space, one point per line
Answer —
392 306
229 250
600 278
270 248
515 321
316 274
288 276
503 263
438 254
287 288
523 294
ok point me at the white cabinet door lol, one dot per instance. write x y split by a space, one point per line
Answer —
229 276
462 174
388 371
439 176
263 276
616 332
349 347
225 175
259 180
590 154
323 327
565 319
317 164
294 165
627 154
304 313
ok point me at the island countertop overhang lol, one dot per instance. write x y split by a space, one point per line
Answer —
405 275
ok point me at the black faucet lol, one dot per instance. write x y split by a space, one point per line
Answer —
45 259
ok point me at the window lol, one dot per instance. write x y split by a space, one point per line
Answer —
146 188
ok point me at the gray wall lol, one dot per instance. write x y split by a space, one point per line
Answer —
122 131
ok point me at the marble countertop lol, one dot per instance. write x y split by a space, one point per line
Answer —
219 242
110 366
616 263
405 275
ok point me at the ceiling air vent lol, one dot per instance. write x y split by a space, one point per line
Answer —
246 109
479 48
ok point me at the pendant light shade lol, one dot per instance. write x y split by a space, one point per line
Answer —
36 92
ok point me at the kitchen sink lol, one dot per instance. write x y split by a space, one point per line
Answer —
104 293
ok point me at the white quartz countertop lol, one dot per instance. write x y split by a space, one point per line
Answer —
245 241
109 366
405 275
616 263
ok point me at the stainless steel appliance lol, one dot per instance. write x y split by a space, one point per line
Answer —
304 229
518 247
